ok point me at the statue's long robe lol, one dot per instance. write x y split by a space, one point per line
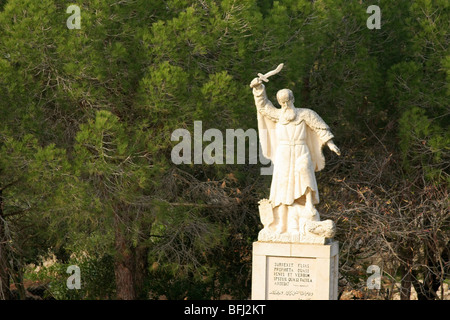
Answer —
295 148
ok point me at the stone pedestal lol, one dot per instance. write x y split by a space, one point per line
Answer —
295 271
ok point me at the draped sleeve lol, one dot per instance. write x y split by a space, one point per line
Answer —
318 134
268 116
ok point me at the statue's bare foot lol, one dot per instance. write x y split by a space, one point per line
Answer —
279 230
310 213
310 208
314 215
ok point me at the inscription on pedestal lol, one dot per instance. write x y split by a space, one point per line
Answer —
290 278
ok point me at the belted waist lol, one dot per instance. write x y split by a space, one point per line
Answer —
292 143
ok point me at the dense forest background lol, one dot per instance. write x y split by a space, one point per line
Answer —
86 117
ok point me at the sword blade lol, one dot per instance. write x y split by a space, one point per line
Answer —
265 77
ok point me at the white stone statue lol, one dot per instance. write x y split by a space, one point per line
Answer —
293 139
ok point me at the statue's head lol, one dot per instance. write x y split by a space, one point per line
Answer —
285 98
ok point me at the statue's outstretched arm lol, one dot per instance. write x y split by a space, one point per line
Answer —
333 147
316 123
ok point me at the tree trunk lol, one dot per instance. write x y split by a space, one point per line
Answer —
124 264
4 274
124 281
407 276
405 285
17 278
431 282
141 268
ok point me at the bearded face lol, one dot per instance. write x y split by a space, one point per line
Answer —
288 113
286 99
